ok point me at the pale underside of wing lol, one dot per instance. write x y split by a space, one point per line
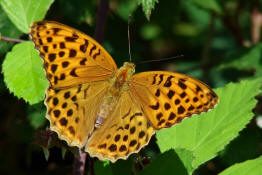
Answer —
125 131
167 98
72 111
70 56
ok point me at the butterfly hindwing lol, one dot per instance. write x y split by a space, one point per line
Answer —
167 98
70 56
72 111
124 132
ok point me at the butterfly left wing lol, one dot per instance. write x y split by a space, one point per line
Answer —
70 56
167 98
125 131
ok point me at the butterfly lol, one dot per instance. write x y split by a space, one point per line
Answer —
109 112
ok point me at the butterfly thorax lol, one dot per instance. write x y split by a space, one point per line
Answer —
118 84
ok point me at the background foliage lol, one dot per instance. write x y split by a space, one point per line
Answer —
220 41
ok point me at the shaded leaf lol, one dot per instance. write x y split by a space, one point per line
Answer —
250 167
166 163
103 167
208 4
7 29
37 119
245 58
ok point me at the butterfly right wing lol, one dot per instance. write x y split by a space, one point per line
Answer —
167 98
72 112
70 56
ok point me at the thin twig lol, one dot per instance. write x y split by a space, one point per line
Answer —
206 50
11 39
232 24
128 35
79 163
101 20
256 19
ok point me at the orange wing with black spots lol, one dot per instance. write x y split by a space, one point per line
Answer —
167 98
70 56
124 132
72 111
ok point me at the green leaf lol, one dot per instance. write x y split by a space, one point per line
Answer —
37 119
123 166
250 167
7 29
238 151
46 153
148 6
23 12
245 58
207 134
209 4
103 168
150 31
166 163
24 74
125 8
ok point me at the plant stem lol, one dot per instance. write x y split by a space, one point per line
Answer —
101 20
11 39
79 163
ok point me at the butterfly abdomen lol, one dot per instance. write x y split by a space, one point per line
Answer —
118 84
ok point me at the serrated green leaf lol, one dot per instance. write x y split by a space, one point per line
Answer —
250 167
148 6
23 12
208 133
209 4
24 74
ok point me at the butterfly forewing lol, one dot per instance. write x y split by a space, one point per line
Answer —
70 56
167 98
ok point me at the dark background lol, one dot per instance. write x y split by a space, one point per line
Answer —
206 38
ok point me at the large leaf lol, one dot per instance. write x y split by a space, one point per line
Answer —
23 12
148 6
250 167
207 134
24 74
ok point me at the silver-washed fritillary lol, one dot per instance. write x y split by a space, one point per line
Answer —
108 111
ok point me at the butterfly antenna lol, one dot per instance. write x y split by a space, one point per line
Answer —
128 35
158 60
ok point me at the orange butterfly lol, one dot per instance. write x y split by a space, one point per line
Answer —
108 111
